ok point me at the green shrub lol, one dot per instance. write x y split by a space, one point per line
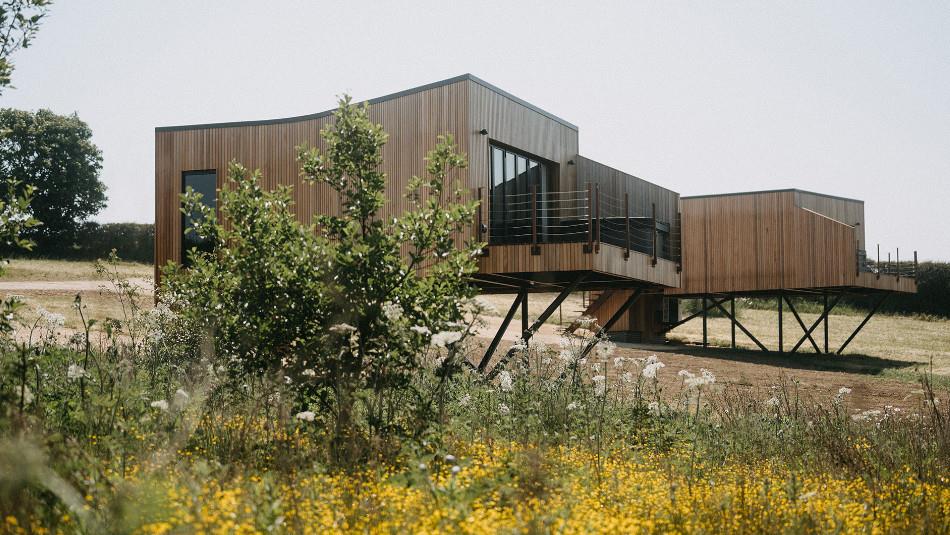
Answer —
134 242
335 315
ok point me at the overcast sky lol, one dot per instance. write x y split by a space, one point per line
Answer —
846 98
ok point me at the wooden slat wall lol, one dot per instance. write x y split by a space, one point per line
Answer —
768 241
571 257
847 211
511 123
640 318
413 121
614 184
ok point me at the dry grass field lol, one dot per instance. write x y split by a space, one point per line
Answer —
889 347
62 270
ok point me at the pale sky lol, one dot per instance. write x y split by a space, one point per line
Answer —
845 98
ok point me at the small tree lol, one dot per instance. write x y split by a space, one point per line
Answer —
347 310
56 155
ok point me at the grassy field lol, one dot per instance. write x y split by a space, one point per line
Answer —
34 281
65 270
130 438
907 339
912 340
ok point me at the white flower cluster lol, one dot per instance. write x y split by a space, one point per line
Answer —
652 366
872 414
179 400
421 330
306 416
51 319
505 382
392 311
75 372
600 385
691 380
445 338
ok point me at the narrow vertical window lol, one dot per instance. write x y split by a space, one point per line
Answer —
512 176
205 183
496 230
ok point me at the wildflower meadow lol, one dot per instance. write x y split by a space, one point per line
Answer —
317 378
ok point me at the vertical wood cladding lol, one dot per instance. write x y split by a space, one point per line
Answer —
847 211
413 122
511 123
614 184
772 241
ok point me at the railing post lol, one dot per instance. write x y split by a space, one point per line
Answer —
535 248
590 222
888 263
597 216
626 218
915 264
857 258
878 266
654 232
898 263
679 242
478 220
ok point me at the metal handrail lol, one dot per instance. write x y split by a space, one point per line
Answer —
576 217
894 268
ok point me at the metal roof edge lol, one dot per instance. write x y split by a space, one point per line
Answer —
391 96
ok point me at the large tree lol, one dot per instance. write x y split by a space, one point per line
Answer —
56 155
19 22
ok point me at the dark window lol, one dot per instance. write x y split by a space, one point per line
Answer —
512 176
205 183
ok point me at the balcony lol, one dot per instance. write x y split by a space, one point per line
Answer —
897 268
582 217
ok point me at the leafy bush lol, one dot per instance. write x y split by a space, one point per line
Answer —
334 315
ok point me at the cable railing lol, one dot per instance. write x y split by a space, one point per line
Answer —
581 216
889 267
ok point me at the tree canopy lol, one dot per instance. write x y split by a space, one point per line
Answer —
19 22
56 155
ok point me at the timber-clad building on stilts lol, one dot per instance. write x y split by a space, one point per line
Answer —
555 221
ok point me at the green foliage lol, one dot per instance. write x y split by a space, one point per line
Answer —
56 155
133 242
15 220
341 314
932 297
19 22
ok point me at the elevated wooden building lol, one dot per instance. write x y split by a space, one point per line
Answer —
554 221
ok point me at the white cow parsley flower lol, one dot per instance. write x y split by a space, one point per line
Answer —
75 371
421 329
445 338
306 416
505 382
